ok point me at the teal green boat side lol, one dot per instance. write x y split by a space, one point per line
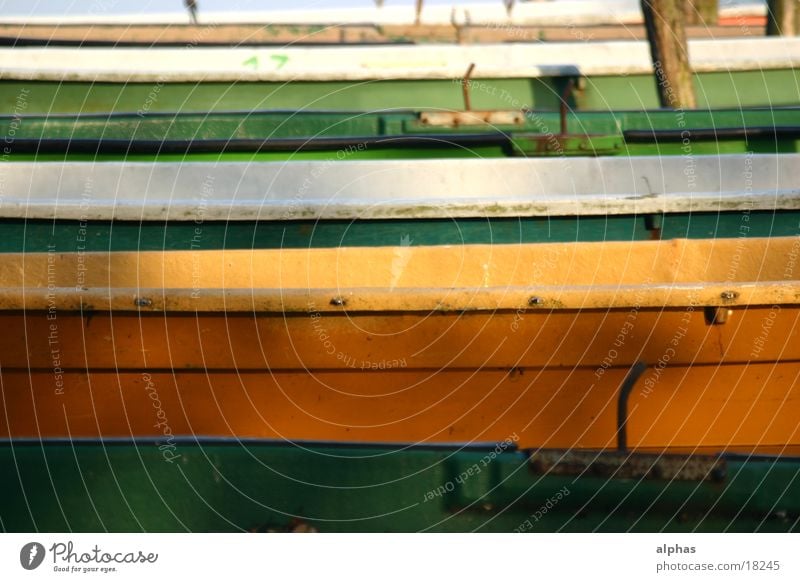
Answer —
720 89
707 132
759 146
768 88
233 487
97 236
309 122
81 97
307 135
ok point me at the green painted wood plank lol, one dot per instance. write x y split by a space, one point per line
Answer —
710 132
771 88
77 97
416 153
737 89
299 123
74 236
261 487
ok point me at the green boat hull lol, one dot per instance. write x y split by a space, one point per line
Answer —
251 486
98 236
258 486
718 89
651 133
264 486
339 136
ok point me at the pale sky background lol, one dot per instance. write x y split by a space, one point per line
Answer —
46 7
9 8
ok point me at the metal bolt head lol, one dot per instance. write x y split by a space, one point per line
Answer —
535 301
729 295
338 302
142 302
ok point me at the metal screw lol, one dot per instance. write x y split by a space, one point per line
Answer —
142 302
729 295
338 302
535 301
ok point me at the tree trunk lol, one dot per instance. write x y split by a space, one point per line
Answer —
666 32
702 12
781 17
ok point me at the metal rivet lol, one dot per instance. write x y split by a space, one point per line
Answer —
338 301
535 301
729 295
142 302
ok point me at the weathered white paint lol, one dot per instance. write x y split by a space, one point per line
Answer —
398 189
362 63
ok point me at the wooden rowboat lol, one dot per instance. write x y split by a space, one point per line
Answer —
606 75
429 344
308 343
178 331
690 142
243 485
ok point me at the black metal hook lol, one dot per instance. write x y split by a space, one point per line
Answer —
622 403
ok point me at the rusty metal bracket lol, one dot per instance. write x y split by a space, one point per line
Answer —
622 403
623 465
654 223
531 144
468 117
471 118
465 87
563 107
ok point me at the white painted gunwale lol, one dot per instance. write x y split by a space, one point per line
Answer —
234 191
360 63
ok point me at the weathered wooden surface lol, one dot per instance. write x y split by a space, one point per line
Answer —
666 32
782 17
702 13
